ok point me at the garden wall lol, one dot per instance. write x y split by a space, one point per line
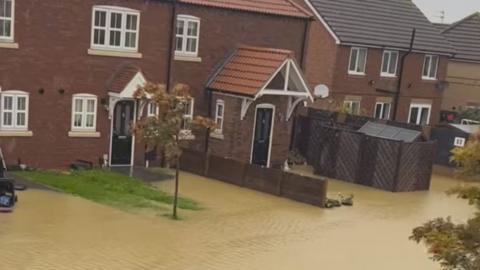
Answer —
273 181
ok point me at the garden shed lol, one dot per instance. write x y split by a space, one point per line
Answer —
450 136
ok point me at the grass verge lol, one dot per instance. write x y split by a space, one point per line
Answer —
108 188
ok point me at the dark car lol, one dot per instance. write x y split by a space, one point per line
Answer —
8 198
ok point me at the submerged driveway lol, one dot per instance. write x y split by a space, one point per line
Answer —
238 229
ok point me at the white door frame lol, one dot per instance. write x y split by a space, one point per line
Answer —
111 132
263 106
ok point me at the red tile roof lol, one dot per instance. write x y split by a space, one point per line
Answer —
248 70
122 77
275 7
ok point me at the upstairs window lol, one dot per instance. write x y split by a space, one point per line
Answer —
430 66
14 110
115 28
382 110
358 61
219 112
389 64
84 112
187 35
6 19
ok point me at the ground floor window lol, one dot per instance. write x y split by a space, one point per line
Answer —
219 112
188 115
84 112
419 114
14 110
152 109
352 106
382 110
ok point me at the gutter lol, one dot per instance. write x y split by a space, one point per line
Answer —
170 46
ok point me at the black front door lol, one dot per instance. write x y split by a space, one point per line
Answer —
122 133
262 135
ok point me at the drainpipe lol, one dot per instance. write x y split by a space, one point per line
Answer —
305 42
400 76
170 46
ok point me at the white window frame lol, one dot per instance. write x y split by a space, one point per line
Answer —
219 129
14 94
84 98
107 28
459 142
420 106
189 115
382 110
187 19
431 57
387 73
355 72
350 105
152 109
12 24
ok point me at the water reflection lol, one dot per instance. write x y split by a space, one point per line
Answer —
238 229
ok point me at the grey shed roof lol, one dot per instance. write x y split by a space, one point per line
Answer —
381 23
464 35
470 129
390 132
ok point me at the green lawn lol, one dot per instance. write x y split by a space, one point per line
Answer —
108 188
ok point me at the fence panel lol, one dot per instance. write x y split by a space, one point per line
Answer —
193 162
386 163
304 189
226 170
348 156
263 179
416 166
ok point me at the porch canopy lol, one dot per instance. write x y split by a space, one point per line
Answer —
253 72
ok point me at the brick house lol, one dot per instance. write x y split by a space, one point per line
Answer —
463 73
67 80
356 48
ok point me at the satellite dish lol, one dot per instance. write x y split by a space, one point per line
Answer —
321 91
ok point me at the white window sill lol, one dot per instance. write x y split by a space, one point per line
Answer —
217 135
112 53
356 73
386 75
187 58
16 133
429 79
83 134
8 45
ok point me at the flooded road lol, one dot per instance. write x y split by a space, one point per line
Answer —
238 229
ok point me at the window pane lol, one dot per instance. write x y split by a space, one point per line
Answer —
78 105
355 107
8 103
6 8
191 45
413 115
192 29
77 122
424 116
116 20
7 118
130 40
179 43
21 119
386 60
386 111
100 18
180 27
5 28
220 110
21 103
353 60
392 68
90 105
433 69
89 121
426 66
378 110
115 38
362 54
99 36
131 22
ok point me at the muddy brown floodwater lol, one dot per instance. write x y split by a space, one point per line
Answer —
238 229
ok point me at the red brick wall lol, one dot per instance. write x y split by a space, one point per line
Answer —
54 39
237 141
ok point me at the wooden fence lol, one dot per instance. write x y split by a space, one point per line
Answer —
348 155
273 181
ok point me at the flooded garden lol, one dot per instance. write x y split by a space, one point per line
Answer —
235 228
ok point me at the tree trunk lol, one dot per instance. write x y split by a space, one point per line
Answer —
175 198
